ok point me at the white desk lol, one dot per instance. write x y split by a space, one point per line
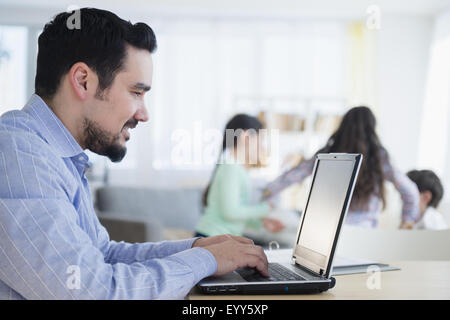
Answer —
415 280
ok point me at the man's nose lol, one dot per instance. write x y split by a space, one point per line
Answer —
141 114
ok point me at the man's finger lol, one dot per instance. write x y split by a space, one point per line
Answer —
242 240
256 251
257 263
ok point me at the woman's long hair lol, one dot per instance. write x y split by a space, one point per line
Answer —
240 122
356 134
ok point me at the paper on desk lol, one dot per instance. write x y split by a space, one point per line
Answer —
341 262
284 255
280 255
341 265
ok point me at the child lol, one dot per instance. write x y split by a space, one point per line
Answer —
227 198
431 192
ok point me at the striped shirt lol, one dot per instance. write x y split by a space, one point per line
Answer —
366 215
52 245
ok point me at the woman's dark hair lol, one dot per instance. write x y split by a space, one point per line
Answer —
427 180
100 42
234 127
356 134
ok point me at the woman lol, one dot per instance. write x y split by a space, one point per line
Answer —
356 134
226 200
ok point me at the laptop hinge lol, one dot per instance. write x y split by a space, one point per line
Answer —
294 262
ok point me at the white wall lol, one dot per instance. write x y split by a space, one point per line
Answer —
403 50
401 63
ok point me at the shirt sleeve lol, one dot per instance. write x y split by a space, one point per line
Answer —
294 175
230 198
408 190
137 252
45 254
41 243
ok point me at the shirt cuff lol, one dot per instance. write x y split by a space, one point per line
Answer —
201 261
190 242
182 245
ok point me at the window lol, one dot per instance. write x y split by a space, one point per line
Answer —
13 65
206 71
434 144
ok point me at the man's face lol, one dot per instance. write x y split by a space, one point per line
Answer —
109 118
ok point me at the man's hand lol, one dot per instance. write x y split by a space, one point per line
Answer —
203 242
233 252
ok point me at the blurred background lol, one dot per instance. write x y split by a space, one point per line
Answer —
298 65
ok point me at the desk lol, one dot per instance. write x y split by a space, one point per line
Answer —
415 280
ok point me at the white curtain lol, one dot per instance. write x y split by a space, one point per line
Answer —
434 150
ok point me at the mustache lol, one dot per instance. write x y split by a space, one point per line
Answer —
132 123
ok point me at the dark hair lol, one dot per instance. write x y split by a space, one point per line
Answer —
100 42
237 124
427 180
356 134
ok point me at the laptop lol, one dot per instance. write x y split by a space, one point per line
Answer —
311 262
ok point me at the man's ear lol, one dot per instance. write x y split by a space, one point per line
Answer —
80 75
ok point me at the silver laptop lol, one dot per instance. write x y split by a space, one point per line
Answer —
334 178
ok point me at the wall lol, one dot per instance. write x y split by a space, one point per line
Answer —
401 63
403 50
402 60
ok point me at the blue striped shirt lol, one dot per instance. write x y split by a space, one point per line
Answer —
52 245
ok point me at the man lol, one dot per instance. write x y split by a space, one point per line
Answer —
90 83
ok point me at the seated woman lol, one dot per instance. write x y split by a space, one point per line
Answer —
227 199
356 134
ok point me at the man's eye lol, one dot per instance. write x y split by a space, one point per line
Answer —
137 93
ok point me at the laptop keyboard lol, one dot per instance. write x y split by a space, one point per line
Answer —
277 273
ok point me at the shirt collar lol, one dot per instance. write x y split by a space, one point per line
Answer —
53 130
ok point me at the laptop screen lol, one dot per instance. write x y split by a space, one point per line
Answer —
331 185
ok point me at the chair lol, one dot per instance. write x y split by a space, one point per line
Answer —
393 245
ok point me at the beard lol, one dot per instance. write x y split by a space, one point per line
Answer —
104 143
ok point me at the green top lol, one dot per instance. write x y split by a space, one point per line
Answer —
229 209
